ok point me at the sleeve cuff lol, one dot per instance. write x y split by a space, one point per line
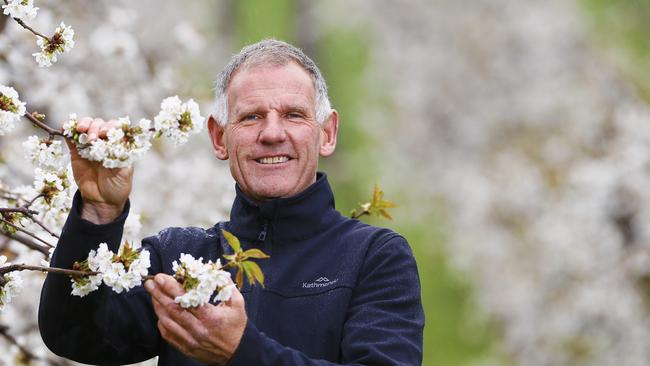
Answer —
249 347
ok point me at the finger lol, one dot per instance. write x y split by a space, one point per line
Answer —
93 130
72 148
83 124
176 335
165 306
168 285
236 299
159 309
158 295
111 124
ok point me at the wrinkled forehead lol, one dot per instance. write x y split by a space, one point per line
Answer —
266 82
262 65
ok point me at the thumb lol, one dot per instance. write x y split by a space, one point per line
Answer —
236 299
74 153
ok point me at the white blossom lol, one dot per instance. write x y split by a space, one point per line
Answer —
85 285
225 292
60 42
121 148
11 108
56 190
119 272
177 120
20 9
200 280
45 153
70 125
13 283
132 227
46 262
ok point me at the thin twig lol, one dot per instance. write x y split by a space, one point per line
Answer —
28 243
22 24
26 232
43 126
31 202
42 225
362 213
22 210
27 267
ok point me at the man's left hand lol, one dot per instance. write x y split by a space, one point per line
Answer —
210 334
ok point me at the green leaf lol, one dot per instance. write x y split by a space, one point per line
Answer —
253 273
240 276
232 240
376 207
385 214
254 253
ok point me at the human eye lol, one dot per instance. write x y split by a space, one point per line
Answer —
294 115
250 118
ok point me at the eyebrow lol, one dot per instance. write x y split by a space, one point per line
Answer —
245 110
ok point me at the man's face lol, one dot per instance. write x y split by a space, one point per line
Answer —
272 138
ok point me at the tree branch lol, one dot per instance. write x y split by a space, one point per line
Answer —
22 24
43 126
23 210
27 267
28 243
25 232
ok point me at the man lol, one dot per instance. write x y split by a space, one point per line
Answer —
337 291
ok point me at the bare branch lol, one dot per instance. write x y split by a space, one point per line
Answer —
21 210
26 232
43 126
22 24
28 243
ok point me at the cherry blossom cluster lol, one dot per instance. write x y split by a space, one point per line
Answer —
120 272
10 284
177 120
122 146
201 280
20 9
45 153
53 182
60 42
128 142
11 108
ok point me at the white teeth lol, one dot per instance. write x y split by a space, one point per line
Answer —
273 160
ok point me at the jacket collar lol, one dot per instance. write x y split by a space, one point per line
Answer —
284 219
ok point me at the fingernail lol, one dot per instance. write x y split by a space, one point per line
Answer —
149 285
160 280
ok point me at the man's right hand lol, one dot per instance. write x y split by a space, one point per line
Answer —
104 191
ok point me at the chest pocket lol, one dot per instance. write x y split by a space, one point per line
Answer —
310 318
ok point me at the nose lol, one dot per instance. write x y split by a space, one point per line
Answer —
272 129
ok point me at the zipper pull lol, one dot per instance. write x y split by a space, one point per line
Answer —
262 235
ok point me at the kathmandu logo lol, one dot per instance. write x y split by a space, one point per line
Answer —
319 282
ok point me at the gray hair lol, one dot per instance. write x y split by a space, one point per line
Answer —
270 52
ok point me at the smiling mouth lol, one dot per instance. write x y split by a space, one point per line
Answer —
273 160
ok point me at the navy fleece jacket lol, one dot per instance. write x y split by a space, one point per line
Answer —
337 291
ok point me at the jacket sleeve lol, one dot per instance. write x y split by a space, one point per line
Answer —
103 327
384 322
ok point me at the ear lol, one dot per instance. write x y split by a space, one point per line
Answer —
328 136
216 132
